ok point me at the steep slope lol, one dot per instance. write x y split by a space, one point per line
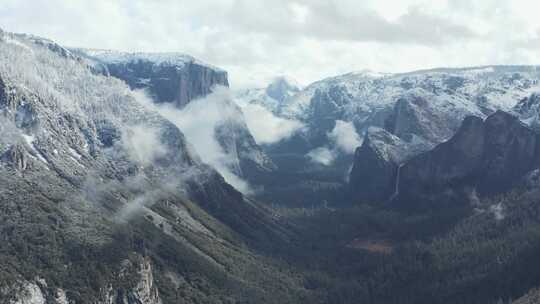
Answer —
235 138
483 157
528 110
532 297
376 165
177 79
103 200
170 77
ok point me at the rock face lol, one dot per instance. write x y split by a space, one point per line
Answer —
168 77
234 137
145 290
29 293
17 156
414 118
179 79
528 110
487 156
373 177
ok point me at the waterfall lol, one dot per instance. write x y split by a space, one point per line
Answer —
396 186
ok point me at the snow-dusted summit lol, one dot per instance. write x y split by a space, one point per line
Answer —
272 97
426 105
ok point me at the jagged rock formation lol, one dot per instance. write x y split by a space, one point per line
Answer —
144 291
16 156
415 118
488 156
528 110
376 163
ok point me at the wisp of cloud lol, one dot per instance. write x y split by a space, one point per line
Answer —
198 121
267 128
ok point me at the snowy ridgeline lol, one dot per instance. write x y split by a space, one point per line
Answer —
468 89
423 108
119 57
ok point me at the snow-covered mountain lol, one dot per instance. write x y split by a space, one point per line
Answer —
422 119
273 96
178 79
406 103
93 183
419 110
485 157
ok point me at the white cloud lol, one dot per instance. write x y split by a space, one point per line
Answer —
498 211
322 155
343 139
143 144
267 128
198 121
309 39
344 136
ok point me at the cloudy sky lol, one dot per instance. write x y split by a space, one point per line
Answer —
256 40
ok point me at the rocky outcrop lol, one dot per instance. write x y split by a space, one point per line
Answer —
145 290
528 110
376 165
247 158
532 297
168 77
272 97
414 117
29 293
17 157
488 156
168 83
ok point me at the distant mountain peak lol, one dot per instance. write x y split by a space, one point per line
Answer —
285 80
282 87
